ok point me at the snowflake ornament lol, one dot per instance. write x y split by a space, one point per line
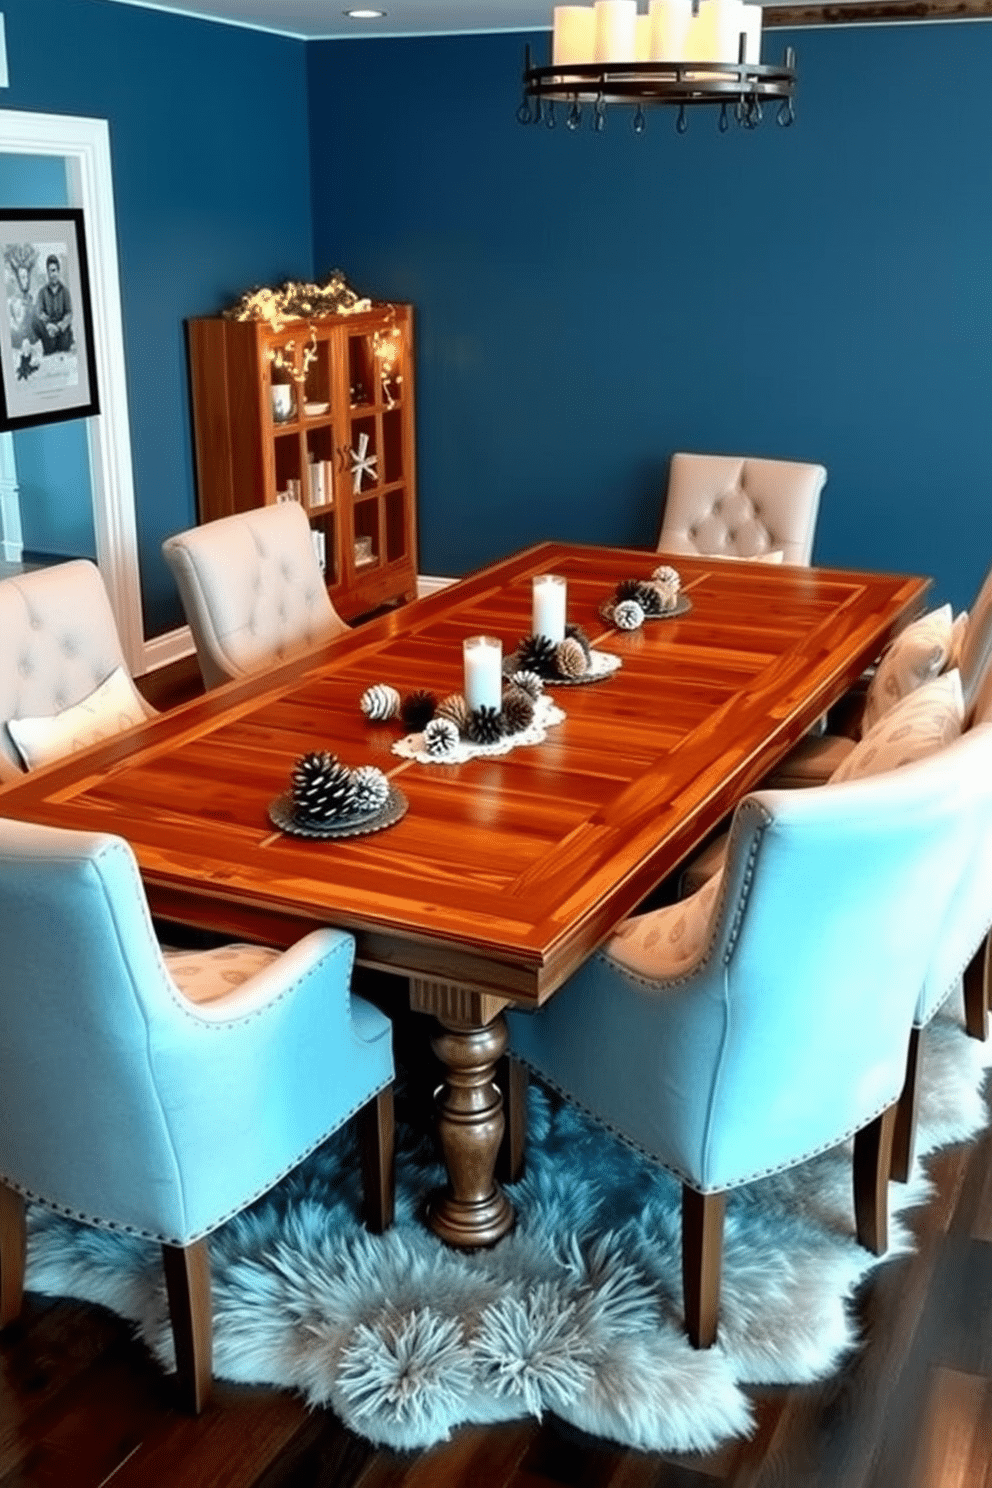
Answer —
362 464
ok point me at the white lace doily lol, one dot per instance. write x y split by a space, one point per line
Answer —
546 715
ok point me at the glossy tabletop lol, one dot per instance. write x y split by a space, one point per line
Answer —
506 872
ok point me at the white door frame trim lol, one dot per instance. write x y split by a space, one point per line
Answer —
85 146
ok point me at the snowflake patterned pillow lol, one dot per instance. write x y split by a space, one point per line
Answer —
110 709
918 725
666 942
918 653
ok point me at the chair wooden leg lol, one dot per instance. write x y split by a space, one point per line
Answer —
702 1257
872 1164
377 1148
976 990
187 1282
13 1253
513 1080
904 1131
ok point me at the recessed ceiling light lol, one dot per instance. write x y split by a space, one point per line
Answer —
365 15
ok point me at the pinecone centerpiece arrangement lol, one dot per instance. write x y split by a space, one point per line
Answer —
568 661
325 792
636 600
448 723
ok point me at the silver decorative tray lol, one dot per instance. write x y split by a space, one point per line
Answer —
281 815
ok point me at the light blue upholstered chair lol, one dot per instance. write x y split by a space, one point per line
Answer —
252 591
161 1094
767 1019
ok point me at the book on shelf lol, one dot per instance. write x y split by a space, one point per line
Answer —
320 548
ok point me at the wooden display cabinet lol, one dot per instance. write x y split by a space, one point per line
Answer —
321 412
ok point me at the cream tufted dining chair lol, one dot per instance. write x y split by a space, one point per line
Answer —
161 1093
252 591
767 1019
735 506
63 677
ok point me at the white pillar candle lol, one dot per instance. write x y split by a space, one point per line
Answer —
616 30
643 38
728 25
483 658
752 28
700 41
549 600
574 38
669 26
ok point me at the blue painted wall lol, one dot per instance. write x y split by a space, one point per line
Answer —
589 303
208 131
52 460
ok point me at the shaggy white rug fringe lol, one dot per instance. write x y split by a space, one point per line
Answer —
577 1312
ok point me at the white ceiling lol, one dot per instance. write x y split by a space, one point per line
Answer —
325 19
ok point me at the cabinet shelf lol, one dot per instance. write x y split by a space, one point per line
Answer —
246 456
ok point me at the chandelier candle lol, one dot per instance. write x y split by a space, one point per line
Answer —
483 658
549 607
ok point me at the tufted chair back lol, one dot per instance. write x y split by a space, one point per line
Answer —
58 642
732 506
252 590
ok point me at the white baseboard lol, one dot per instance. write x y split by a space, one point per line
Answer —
431 583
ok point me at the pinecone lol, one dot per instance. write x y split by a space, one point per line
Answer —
322 788
380 702
441 737
570 659
536 654
650 597
485 725
518 710
417 710
666 574
628 615
371 789
528 682
578 634
455 708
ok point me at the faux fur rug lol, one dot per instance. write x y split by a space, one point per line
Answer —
578 1312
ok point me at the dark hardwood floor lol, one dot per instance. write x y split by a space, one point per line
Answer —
82 1405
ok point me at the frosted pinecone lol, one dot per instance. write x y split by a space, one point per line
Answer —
570 658
668 583
371 789
528 682
322 788
441 737
380 702
628 615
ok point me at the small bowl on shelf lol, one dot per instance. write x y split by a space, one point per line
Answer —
314 410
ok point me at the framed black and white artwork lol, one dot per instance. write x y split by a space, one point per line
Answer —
47 362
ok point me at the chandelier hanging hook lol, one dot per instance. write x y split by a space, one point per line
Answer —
599 114
574 117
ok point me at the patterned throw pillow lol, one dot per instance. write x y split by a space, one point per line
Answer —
207 976
918 725
666 942
110 709
917 654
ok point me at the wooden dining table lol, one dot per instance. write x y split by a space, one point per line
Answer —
506 872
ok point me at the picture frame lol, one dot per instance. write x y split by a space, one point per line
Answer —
47 358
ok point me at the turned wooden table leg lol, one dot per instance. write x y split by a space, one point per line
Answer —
473 1211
